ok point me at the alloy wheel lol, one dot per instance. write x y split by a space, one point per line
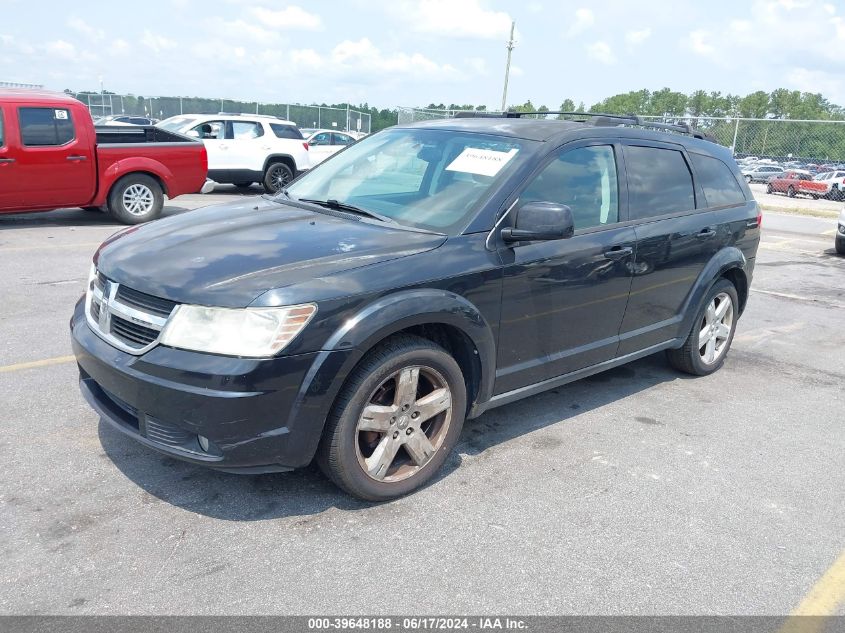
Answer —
138 199
404 424
715 331
279 177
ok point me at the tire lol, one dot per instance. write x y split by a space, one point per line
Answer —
790 192
136 198
769 188
689 358
351 443
277 176
835 193
840 245
749 179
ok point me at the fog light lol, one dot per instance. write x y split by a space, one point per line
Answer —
203 442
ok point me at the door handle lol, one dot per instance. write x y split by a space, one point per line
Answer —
6 160
77 158
619 252
706 233
224 147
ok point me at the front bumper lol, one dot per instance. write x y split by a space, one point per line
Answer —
259 415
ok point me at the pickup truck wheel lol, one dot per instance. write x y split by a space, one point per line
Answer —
835 193
712 333
769 188
136 198
790 191
395 421
277 176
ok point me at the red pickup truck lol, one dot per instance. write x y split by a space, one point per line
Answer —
794 183
51 156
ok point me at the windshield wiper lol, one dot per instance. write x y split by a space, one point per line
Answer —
342 206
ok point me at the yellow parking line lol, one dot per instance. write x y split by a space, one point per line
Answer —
58 360
830 232
827 594
823 600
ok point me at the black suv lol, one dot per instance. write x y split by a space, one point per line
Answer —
418 278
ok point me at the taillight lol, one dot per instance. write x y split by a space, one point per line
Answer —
759 218
305 145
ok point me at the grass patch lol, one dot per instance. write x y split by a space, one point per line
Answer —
813 213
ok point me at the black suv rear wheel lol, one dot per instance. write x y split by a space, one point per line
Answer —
395 421
712 333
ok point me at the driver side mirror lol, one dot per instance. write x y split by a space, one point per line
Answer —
540 221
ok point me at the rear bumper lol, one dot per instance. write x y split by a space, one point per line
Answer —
259 415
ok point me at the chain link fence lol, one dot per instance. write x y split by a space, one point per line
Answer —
306 116
781 140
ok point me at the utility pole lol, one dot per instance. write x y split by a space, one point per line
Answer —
508 68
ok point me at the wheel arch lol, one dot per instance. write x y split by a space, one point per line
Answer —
440 316
287 159
728 263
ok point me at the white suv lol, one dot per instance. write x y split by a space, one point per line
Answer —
247 148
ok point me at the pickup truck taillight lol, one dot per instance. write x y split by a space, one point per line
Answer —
759 219
305 145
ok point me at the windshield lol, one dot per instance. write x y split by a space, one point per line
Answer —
176 123
430 179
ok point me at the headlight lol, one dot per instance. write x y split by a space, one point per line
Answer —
253 332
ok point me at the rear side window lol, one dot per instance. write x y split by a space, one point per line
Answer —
585 180
659 182
342 139
717 180
286 131
324 138
42 127
245 130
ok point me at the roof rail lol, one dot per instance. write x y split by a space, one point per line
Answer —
599 119
252 114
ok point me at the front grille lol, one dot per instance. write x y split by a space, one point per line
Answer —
128 319
145 302
132 333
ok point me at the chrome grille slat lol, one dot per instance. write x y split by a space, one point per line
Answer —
130 320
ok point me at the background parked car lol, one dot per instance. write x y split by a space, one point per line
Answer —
124 120
247 148
324 143
762 172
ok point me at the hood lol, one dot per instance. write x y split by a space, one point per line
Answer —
230 254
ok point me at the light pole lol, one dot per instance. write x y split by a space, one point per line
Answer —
508 68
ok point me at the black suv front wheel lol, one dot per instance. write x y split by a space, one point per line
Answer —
712 332
395 421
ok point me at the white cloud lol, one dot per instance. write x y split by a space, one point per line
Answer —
584 20
292 17
699 42
478 65
61 48
635 38
81 26
120 46
239 31
156 43
453 18
601 52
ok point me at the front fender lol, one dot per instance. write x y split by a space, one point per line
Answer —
371 325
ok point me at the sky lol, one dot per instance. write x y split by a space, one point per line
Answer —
392 53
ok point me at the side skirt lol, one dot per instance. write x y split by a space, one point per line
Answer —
531 390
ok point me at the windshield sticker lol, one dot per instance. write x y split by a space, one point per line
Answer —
482 162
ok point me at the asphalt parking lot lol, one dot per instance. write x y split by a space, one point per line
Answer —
638 491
